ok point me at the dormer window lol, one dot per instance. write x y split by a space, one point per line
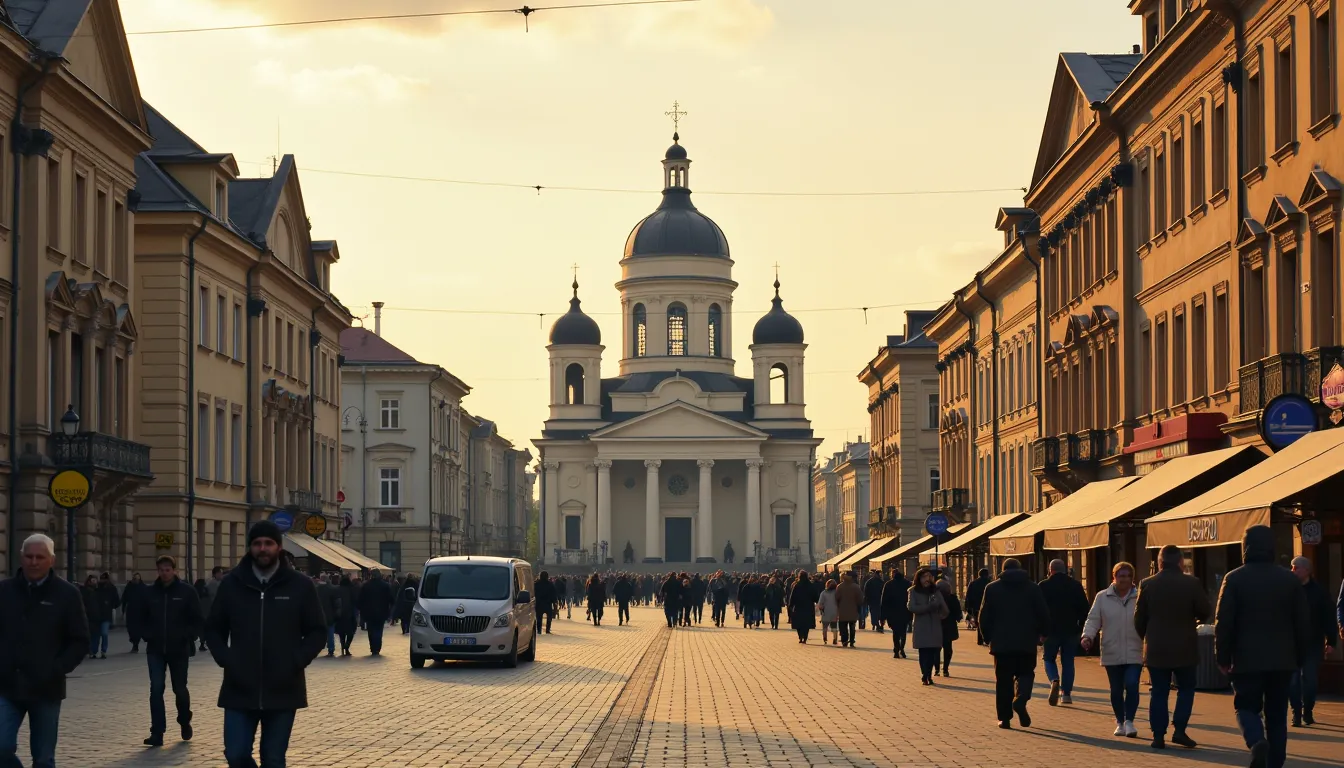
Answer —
221 196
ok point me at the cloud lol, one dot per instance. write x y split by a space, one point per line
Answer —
710 24
356 82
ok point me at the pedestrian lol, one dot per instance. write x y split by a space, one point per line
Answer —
1112 618
405 601
132 599
375 605
348 619
849 600
872 600
670 594
212 589
1262 633
1014 619
975 592
774 600
44 633
925 602
107 592
718 596
624 592
543 591
950 621
687 599
1302 692
895 598
97 616
172 620
1170 606
329 595
698 590
265 627
802 606
827 606
728 552
1067 602
597 597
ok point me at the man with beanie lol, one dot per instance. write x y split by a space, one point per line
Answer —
265 626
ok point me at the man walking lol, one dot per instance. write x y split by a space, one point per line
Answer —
1068 605
375 606
329 595
1170 605
718 595
544 592
623 591
1262 635
1014 618
132 607
872 598
44 634
895 611
265 627
171 620
975 593
1302 692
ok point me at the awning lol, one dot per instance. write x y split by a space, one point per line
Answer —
1173 483
913 548
849 551
1222 515
1020 539
306 544
355 557
973 536
872 547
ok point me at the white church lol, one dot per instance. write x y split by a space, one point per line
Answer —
676 459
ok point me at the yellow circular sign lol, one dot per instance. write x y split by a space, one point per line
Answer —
69 488
315 525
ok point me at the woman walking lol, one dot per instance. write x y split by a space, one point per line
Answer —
1112 616
929 609
829 609
597 597
802 606
950 631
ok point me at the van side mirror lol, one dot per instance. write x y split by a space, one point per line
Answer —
409 593
524 597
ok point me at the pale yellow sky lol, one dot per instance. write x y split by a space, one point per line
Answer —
782 95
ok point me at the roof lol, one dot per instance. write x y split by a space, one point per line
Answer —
161 192
360 345
168 138
914 547
574 327
676 227
1097 75
50 24
777 326
972 536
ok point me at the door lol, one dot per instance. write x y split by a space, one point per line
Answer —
573 532
783 538
677 540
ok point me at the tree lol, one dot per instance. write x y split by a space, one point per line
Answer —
531 542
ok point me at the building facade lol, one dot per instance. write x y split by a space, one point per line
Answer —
852 481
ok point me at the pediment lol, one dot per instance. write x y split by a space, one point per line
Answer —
126 322
58 290
783 504
1077 328
679 421
1250 232
287 230
1320 187
1281 213
390 448
99 56
1062 123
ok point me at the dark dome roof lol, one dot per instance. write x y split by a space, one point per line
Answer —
777 326
676 151
574 327
676 229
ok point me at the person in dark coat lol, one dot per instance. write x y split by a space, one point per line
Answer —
671 594
698 590
132 599
1068 605
172 620
774 600
597 597
405 601
1261 635
348 620
375 605
1324 632
1169 606
728 552
623 591
718 596
544 593
329 594
975 592
1014 618
803 606
44 634
872 598
96 614
111 599
950 630
895 595
265 627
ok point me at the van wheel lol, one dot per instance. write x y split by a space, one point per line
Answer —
417 662
511 661
531 653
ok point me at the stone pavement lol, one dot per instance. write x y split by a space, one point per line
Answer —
700 697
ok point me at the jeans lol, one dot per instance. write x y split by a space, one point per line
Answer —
44 719
331 637
1302 690
898 636
928 661
623 611
547 616
846 632
1125 692
240 731
1157 698
98 637
375 636
176 667
1065 647
1014 674
774 618
1266 693
719 611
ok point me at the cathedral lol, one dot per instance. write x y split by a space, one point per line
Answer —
676 459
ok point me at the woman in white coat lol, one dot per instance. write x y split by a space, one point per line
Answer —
1112 617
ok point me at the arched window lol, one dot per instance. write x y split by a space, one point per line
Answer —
641 331
715 331
676 330
574 384
779 384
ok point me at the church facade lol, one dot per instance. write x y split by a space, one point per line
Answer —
675 458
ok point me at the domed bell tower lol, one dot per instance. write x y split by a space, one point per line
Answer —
777 365
576 365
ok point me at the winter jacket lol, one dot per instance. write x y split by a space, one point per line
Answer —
95 610
802 606
672 593
895 595
1170 605
848 599
774 597
828 605
872 590
132 601
1013 614
929 609
954 616
107 592
44 634
349 597
329 595
718 590
698 589
170 618
375 601
543 591
1067 602
1262 621
975 593
264 636
597 594
1112 616
1322 615
623 591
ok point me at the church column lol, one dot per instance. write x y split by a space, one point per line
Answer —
603 505
705 544
754 504
653 519
799 522
554 536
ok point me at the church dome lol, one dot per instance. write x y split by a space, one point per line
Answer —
574 327
675 152
676 228
777 326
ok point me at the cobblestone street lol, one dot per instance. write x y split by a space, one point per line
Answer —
707 698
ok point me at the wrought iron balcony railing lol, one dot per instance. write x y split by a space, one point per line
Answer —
1086 447
305 501
1285 373
1045 454
92 450
950 499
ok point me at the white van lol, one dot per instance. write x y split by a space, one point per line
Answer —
474 607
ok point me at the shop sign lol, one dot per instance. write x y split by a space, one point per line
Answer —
69 488
1286 419
1073 538
1202 529
1010 546
315 525
1310 531
1332 393
163 540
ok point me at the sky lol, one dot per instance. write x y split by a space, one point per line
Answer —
834 96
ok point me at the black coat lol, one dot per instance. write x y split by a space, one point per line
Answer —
872 590
1321 611
597 594
543 590
95 608
803 606
170 618
329 595
672 593
1013 614
1262 623
774 597
894 598
698 589
44 634
950 630
375 601
265 638
975 594
132 602
623 591
107 592
1068 605
349 596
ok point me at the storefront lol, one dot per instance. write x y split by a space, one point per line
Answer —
1024 540
906 558
858 561
829 565
960 557
313 556
355 557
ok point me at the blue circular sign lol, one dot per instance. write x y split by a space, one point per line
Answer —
936 523
283 519
1285 419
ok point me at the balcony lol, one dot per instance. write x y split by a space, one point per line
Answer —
950 499
1285 373
1045 456
101 453
1084 450
305 501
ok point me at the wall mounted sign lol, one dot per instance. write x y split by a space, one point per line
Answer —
283 520
1286 419
1311 532
1332 393
69 488
315 525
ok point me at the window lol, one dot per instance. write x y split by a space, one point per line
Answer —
1222 332
289 348
1146 191
237 331
389 554
121 270
219 199
203 312
1322 68
1255 121
1146 374
676 330
715 334
279 344
54 202
1159 193
389 413
1196 164
1177 178
574 384
935 481
1112 236
220 473
100 232
236 434
221 324
81 218
1219 147
1323 290
641 335
933 411
203 441
1178 359
265 337
1283 96
1198 351
389 487
1290 303
1160 367
779 384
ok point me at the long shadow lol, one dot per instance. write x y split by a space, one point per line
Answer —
1204 754
458 673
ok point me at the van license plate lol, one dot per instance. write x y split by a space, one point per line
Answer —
459 641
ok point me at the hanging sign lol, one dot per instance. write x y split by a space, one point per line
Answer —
1286 419
315 525
69 488
283 519
1332 393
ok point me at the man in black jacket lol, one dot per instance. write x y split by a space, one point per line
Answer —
329 595
1302 692
132 605
1262 634
375 605
872 600
975 593
170 619
265 627
543 591
44 634
895 597
1014 618
622 591
1068 605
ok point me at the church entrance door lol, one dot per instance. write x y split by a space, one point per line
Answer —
677 538
782 532
573 537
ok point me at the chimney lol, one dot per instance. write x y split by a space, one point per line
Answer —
378 319
1137 48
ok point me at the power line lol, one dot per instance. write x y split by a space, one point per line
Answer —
520 313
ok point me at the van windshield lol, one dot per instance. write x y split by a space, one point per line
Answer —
465 581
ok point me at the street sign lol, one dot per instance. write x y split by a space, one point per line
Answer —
1285 419
936 524
283 520
315 525
1311 532
163 540
340 497
69 488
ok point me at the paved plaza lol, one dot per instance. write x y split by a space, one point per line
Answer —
646 696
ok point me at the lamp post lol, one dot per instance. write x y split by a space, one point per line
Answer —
363 476
69 428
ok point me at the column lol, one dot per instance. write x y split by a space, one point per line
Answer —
800 505
653 519
603 505
553 534
753 505
705 540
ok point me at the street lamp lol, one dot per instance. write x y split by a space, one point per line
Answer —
70 422
69 428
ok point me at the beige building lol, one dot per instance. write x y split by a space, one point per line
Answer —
852 481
